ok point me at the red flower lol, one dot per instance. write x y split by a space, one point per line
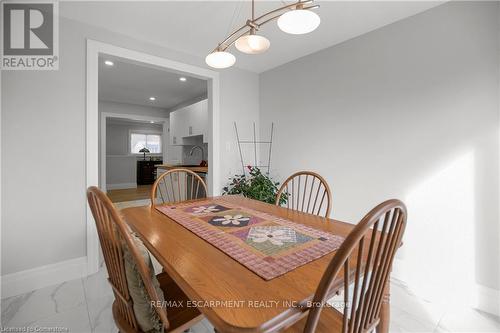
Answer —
249 167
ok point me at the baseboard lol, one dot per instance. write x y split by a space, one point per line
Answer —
121 186
25 281
488 299
480 297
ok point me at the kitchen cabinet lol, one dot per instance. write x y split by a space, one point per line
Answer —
189 121
198 120
179 125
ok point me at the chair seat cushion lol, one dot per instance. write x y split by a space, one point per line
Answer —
147 318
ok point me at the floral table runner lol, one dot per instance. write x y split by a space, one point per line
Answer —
266 244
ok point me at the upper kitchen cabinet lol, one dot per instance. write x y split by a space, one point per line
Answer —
178 125
189 121
199 120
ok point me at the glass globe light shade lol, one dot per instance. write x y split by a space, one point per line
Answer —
220 59
252 44
299 21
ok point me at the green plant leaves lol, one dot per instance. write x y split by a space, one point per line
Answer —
257 186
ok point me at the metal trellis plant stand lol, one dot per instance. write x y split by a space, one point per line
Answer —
255 143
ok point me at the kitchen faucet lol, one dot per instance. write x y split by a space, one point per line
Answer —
199 147
202 153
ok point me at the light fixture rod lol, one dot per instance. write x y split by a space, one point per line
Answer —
253 10
223 43
270 19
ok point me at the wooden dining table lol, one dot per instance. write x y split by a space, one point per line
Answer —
233 298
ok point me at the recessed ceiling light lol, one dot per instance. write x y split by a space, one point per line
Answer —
152 98
151 122
109 63
182 78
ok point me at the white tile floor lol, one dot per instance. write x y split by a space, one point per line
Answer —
84 305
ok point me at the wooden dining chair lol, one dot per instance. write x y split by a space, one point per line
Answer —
116 239
375 239
306 191
177 185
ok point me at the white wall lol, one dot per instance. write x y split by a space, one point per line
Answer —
43 161
246 117
408 111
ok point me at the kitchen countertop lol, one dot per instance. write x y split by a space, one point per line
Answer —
199 169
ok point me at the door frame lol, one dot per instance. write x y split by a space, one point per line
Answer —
94 48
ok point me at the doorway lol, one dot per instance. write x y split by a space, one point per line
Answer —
93 151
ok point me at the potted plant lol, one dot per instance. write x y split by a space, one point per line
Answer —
256 186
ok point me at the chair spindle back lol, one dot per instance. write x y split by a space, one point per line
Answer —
376 238
307 192
178 185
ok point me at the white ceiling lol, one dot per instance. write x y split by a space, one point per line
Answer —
196 27
131 122
133 84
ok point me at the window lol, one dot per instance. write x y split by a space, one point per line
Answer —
145 140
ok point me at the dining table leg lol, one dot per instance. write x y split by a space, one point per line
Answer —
385 310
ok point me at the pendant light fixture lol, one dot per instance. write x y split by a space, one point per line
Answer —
296 18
